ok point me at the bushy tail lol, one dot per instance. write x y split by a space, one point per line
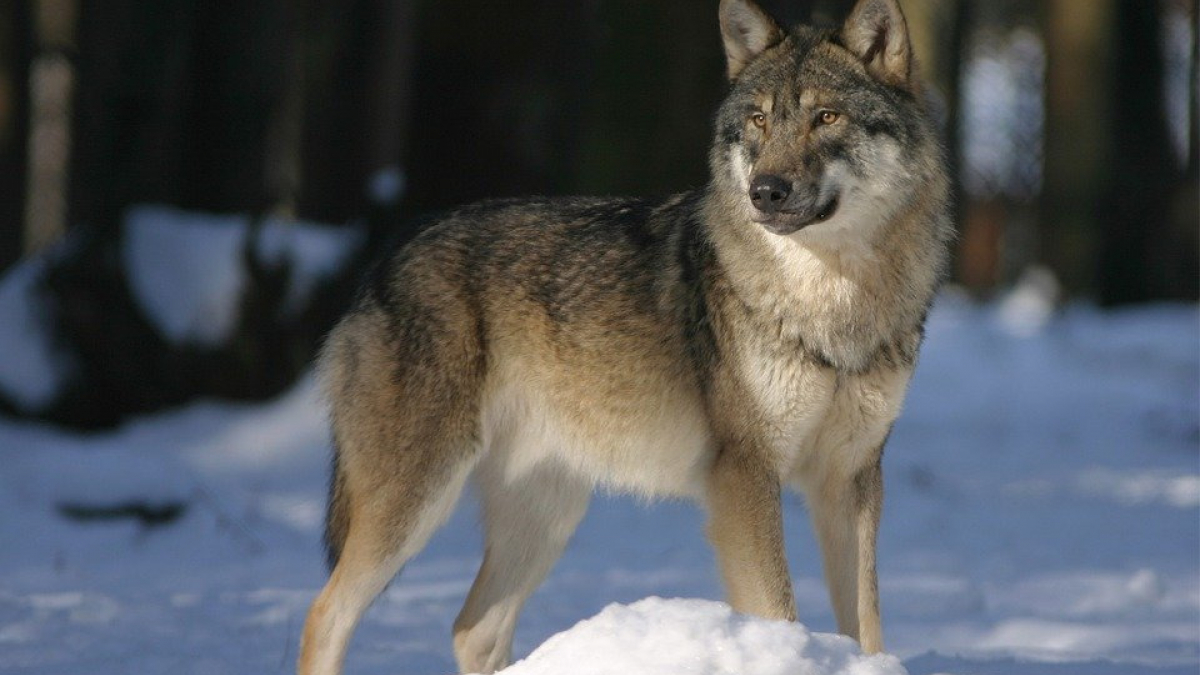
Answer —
337 515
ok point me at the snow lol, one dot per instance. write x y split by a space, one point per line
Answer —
32 371
195 296
387 185
696 637
1031 303
1042 518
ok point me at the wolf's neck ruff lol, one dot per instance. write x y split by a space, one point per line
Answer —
849 300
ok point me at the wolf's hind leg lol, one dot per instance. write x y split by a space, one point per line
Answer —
404 424
845 516
528 522
361 573
384 531
402 377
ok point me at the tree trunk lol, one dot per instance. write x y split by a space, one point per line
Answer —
237 67
16 48
391 38
130 104
648 124
497 112
283 164
1078 38
332 149
940 29
1135 209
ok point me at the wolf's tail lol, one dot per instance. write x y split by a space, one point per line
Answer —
337 515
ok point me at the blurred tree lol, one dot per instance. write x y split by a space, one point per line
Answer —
16 50
389 102
234 83
129 109
1113 222
332 111
1136 252
648 123
939 30
1182 249
1193 89
200 106
498 101
174 106
357 72
51 83
332 148
282 161
1078 38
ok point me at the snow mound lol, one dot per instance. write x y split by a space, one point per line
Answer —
186 271
696 637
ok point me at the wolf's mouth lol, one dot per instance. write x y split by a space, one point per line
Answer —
827 211
787 222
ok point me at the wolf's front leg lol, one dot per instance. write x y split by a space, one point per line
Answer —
745 525
845 515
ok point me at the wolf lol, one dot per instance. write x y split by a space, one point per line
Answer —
721 345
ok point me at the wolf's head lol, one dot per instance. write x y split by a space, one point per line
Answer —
823 135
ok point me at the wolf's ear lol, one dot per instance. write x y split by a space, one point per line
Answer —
747 31
877 33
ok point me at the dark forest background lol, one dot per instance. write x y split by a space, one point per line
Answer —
1072 124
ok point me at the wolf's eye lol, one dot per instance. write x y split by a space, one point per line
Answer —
827 117
759 120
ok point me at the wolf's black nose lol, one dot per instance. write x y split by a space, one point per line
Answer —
768 193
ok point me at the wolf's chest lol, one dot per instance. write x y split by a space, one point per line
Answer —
816 418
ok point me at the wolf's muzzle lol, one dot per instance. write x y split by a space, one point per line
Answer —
782 210
768 193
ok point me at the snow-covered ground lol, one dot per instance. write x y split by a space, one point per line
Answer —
1042 518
